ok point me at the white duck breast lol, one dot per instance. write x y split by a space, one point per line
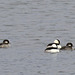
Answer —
52 50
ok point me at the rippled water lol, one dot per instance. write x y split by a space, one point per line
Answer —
30 25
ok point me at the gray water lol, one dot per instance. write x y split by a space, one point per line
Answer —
30 25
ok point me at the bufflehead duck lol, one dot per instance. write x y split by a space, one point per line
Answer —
67 47
5 44
52 49
57 42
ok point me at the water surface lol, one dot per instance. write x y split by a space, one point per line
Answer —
30 25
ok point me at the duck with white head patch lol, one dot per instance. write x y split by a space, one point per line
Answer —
5 44
57 42
67 47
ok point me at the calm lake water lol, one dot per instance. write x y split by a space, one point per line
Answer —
30 25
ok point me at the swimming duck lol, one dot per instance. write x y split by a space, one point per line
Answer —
67 47
5 44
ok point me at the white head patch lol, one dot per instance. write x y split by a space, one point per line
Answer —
6 41
56 41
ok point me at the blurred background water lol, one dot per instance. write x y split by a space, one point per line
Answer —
30 25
